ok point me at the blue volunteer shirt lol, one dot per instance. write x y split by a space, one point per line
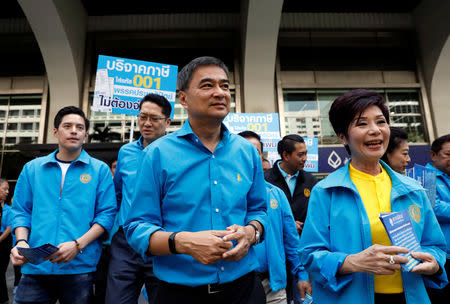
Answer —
125 177
182 186
281 242
442 203
56 217
291 180
6 218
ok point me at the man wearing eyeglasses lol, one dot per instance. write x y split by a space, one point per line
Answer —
128 272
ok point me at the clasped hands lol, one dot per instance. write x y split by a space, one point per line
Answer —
209 247
384 260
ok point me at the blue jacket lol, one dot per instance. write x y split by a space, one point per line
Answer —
87 197
6 218
281 241
337 225
442 204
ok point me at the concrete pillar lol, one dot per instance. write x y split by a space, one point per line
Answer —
60 30
261 26
433 29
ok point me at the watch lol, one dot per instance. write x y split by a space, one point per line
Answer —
257 233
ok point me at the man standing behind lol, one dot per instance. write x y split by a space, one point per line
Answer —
288 175
440 156
200 199
281 244
65 198
127 270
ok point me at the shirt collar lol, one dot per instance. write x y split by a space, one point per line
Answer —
285 175
438 172
51 158
186 130
139 142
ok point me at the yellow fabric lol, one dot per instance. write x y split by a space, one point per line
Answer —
375 193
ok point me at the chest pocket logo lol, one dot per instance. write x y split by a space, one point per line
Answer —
239 178
307 192
273 203
414 212
85 178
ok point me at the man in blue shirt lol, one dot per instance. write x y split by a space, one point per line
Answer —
67 199
200 202
281 243
127 270
440 156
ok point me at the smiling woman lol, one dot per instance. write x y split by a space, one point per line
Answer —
344 245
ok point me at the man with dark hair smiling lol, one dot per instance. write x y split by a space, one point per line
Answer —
127 270
200 199
65 198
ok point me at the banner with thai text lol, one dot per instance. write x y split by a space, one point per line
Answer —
121 83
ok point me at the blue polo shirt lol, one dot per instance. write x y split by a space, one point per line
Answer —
6 218
281 242
55 217
182 186
125 177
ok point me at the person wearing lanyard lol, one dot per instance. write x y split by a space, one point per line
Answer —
127 270
440 156
67 199
200 202
344 246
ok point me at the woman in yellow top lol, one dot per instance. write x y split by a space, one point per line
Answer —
344 246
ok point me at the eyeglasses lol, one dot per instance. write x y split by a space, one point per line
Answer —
153 119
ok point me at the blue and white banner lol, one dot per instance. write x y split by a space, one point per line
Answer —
121 83
267 125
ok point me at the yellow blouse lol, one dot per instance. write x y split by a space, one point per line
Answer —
375 193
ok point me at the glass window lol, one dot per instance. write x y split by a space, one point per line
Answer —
13 113
27 126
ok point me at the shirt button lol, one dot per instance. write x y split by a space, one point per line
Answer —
213 156
196 140
217 210
215 182
222 268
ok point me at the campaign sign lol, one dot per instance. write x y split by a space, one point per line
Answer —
426 177
401 233
121 83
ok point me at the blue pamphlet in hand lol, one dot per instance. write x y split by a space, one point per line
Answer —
308 299
401 233
426 177
37 255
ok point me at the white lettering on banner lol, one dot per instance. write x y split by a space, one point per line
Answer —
334 160
250 118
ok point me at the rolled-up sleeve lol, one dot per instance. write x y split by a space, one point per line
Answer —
144 217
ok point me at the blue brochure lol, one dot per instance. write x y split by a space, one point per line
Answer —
37 255
308 299
426 177
400 230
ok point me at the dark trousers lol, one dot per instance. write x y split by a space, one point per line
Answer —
394 298
438 296
47 289
245 290
100 276
128 273
5 249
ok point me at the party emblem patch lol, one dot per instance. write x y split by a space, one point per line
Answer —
273 203
414 212
307 192
85 178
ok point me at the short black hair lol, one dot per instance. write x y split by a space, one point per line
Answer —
287 144
251 134
70 110
185 75
397 136
160 100
437 144
352 103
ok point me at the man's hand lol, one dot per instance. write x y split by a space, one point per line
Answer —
66 253
299 226
207 247
245 236
428 266
375 260
16 258
304 287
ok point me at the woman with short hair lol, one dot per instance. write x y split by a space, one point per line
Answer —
344 246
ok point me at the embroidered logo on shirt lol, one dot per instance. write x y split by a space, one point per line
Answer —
85 178
273 203
307 192
414 211
239 178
